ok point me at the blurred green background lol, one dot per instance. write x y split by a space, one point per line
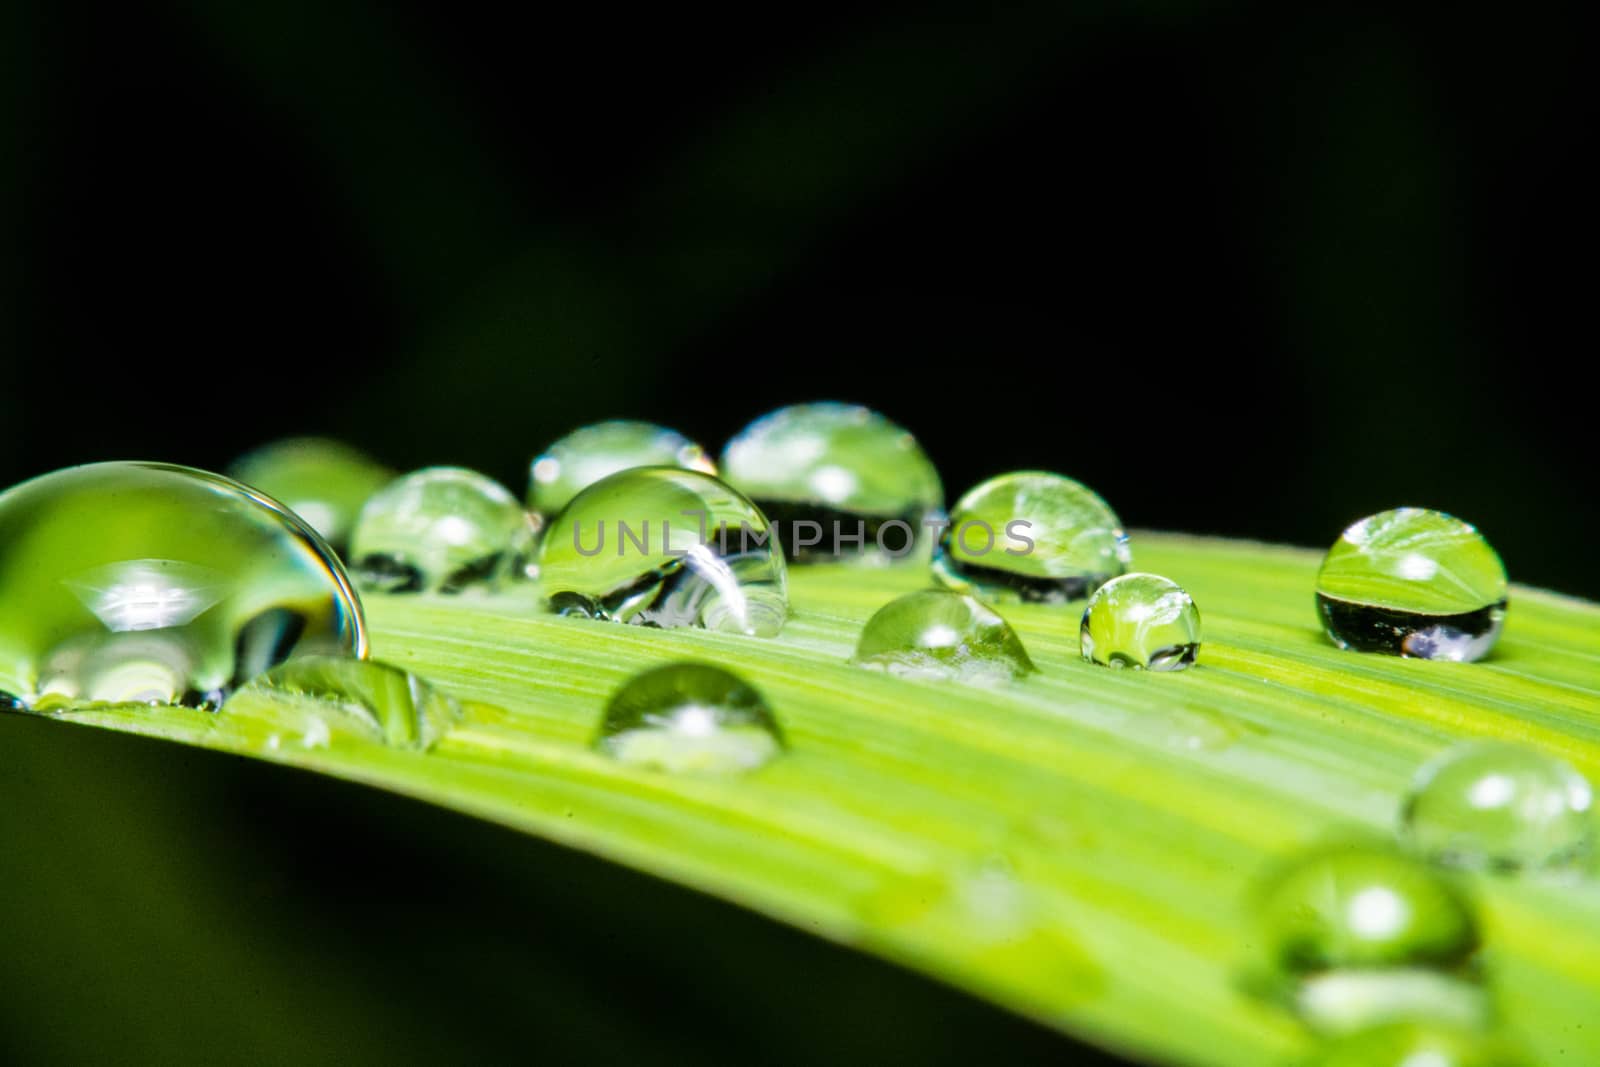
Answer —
1246 269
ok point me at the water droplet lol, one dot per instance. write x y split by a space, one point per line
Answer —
1356 936
440 530
1143 621
149 583
838 480
1407 1044
689 718
593 452
324 482
657 546
942 636
1493 806
1413 582
1032 536
314 697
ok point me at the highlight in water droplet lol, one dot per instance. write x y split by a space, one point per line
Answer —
938 635
690 718
597 451
323 481
1413 582
440 530
1031 536
1142 621
155 584
373 700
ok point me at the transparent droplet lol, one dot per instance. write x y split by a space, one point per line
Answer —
657 546
150 583
839 481
1406 1044
1413 582
347 696
440 530
325 482
942 636
591 453
689 718
1356 936
1031 536
1501 807
1143 621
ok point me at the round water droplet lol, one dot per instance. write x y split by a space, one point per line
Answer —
150 583
324 482
1407 1044
656 546
440 530
1493 806
942 636
689 718
1032 536
591 453
1413 582
1143 621
348 696
839 481
1357 936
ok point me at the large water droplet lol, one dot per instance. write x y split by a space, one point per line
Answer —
317 697
656 546
838 480
689 718
1413 582
942 636
150 583
1032 536
1143 621
1357 936
593 452
324 482
1406 1044
1501 807
440 530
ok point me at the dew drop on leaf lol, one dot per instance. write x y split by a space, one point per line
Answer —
938 635
599 450
689 718
1141 621
316 697
325 482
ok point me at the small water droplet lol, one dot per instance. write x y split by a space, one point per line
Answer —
325 482
1413 582
1355 936
316 696
657 546
840 481
689 718
1031 536
149 583
593 452
440 530
938 635
1501 807
1406 1044
1143 621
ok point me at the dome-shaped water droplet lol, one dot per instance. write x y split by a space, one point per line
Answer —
657 546
1143 621
1032 536
1356 936
689 718
1494 806
1413 582
324 482
593 452
150 583
319 697
440 530
837 480
1407 1044
939 635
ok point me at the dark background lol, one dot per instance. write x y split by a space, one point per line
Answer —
1244 270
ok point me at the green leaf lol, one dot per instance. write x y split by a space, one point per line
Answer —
1079 846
